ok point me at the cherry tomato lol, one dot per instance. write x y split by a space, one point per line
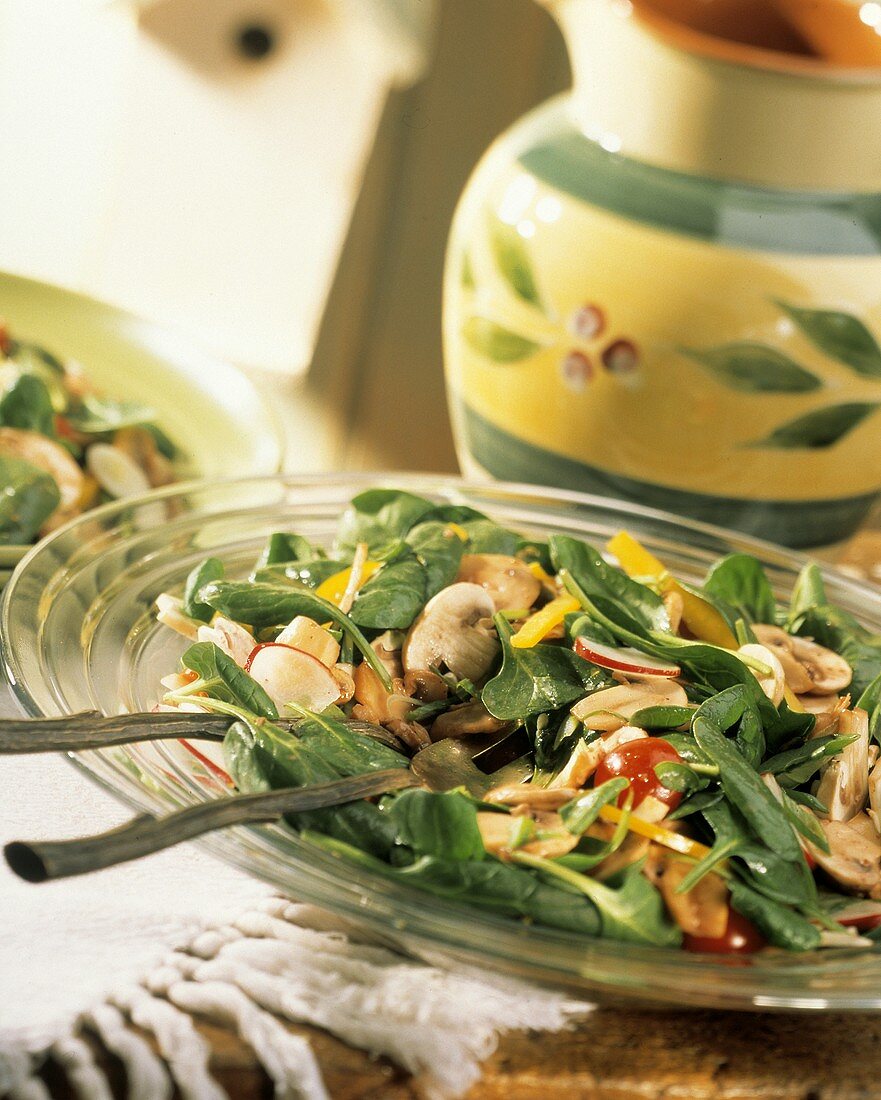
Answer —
741 938
809 859
636 761
263 645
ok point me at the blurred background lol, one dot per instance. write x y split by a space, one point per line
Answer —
276 178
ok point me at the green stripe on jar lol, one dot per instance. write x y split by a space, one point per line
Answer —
795 222
799 524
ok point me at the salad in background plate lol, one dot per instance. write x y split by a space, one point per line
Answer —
66 447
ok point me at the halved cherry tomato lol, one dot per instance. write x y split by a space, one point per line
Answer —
263 645
741 938
636 761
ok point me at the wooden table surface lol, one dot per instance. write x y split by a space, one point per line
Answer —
616 1053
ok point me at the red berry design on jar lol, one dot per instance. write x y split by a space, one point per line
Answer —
621 357
588 322
576 370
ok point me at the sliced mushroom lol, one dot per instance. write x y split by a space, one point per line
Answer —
379 705
844 782
780 644
810 668
345 682
412 734
853 859
535 798
700 911
611 708
54 460
772 683
875 796
497 831
387 648
509 581
425 685
229 636
466 720
828 671
586 757
452 631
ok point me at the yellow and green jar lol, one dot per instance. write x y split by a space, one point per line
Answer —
666 285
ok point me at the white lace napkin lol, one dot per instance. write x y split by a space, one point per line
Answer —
177 934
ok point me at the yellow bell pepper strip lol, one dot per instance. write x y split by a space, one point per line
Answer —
540 574
540 624
334 588
792 700
675 841
701 618
458 531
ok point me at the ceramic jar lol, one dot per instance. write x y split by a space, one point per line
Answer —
666 285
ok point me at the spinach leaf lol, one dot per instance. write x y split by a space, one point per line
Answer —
438 824
696 803
265 756
26 404
532 681
283 547
379 516
786 881
29 497
554 738
393 596
739 581
679 777
633 912
297 574
484 884
662 718
211 569
439 551
808 592
745 789
100 415
579 814
487 537
796 766
599 579
263 605
452 513
870 702
780 926
349 752
224 680
579 625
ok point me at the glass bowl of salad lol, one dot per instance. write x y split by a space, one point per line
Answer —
644 750
97 405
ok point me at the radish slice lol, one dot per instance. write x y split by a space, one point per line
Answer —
862 915
292 676
624 659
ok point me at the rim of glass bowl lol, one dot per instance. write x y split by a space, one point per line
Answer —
428 927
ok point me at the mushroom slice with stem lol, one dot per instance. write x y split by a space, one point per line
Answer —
844 782
780 643
828 671
54 460
853 859
509 581
700 911
810 669
875 796
452 632
610 709
466 721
